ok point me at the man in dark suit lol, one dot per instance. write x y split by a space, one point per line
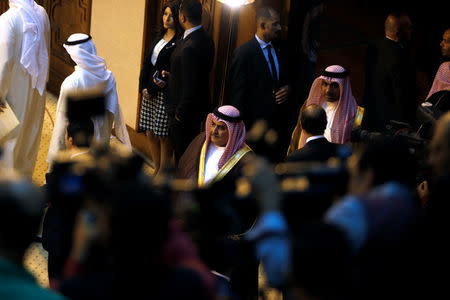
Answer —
191 63
258 84
317 148
390 77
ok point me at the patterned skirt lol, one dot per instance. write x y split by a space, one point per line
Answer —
153 116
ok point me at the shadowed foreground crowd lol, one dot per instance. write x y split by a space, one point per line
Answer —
348 214
360 227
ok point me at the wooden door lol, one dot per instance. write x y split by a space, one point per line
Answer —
3 6
66 17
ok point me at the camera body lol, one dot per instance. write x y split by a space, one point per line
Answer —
310 188
402 132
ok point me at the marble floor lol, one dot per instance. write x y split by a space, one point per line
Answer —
35 259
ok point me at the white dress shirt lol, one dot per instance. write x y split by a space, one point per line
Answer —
161 44
79 153
312 138
266 54
213 156
191 30
330 109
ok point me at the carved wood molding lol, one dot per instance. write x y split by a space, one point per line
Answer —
67 17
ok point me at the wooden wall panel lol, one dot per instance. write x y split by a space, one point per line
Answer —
66 17
208 15
3 6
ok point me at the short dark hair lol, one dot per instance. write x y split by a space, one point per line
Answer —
192 10
264 12
313 119
81 131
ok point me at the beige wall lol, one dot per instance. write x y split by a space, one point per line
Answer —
117 28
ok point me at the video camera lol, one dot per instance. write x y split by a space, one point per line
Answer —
430 111
395 129
309 188
230 207
403 133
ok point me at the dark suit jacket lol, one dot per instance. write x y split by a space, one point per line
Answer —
315 150
191 63
390 85
162 63
251 89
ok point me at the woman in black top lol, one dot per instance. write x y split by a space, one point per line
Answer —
153 119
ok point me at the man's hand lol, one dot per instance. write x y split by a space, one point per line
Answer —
165 74
2 106
422 189
145 94
282 94
160 83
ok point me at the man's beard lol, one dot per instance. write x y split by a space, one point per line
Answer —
331 99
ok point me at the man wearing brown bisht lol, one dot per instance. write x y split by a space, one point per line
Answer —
218 151
214 160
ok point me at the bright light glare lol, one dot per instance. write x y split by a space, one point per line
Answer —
236 3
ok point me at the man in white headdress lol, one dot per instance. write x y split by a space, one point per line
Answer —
333 92
90 73
24 60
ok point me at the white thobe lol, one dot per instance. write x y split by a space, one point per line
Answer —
22 144
330 109
212 161
78 82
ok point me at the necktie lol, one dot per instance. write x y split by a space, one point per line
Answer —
272 66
